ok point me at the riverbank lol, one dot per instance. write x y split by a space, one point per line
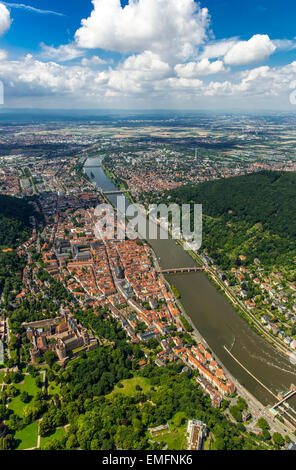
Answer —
225 291
215 317
190 327
185 318
236 303
255 406
120 186
242 311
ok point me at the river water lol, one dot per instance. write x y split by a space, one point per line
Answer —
216 319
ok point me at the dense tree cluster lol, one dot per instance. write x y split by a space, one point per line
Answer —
15 229
97 373
98 419
11 267
266 197
122 422
15 225
252 215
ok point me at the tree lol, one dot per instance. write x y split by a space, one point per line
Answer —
12 391
38 381
241 404
46 427
287 439
7 442
52 444
278 439
3 412
50 376
224 405
25 398
72 442
236 413
32 371
266 435
219 443
219 431
263 424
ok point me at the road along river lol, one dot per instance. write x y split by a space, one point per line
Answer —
215 318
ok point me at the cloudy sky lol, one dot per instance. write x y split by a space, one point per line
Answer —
145 54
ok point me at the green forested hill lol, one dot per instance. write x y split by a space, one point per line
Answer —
265 197
253 215
15 226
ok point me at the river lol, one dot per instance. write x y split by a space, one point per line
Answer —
216 319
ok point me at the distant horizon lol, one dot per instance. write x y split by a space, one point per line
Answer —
101 111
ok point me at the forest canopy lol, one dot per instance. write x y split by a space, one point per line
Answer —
265 197
253 215
15 227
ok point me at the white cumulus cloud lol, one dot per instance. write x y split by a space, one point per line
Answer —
204 67
187 84
147 63
3 54
216 49
284 44
167 27
256 49
94 60
138 73
31 76
5 20
63 53
139 80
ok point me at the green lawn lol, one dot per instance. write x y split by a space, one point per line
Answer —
54 389
78 349
58 434
2 375
175 438
29 386
129 386
27 436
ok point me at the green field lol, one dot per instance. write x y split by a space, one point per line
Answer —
129 386
27 437
58 434
54 389
28 386
78 349
2 375
175 438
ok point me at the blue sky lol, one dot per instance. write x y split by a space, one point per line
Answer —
225 54
229 18
45 28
